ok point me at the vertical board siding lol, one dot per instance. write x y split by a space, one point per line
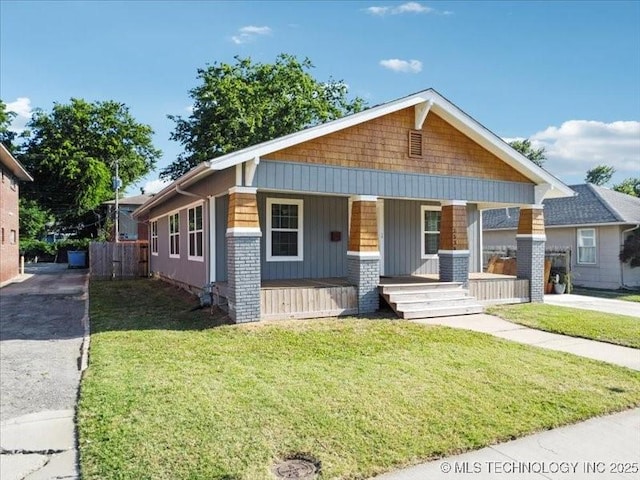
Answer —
307 302
222 208
473 234
278 175
402 239
322 258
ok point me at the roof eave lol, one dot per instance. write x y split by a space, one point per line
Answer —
14 165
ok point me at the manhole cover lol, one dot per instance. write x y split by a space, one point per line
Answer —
295 468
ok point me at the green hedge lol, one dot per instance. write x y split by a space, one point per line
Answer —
51 252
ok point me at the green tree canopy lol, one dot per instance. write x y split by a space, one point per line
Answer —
241 104
630 186
600 175
71 151
34 220
536 155
6 136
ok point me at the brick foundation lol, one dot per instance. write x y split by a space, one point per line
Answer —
364 273
243 275
530 265
454 267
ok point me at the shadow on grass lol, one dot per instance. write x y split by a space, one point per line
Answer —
148 304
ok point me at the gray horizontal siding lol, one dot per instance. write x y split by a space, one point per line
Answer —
304 177
322 258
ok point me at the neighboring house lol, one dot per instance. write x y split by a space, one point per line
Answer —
394 190
594 225
12 173
129 228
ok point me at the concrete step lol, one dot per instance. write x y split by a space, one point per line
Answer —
419 287
442 312
425 295
411 305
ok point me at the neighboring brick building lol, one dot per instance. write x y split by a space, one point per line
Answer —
307 224
12 174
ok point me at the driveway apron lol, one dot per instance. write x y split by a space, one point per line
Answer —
42 329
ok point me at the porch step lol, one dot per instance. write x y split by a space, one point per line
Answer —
426 300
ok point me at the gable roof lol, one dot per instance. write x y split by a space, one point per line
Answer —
593 205
134 200
13 165
429 98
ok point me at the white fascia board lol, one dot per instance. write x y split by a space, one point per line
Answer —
312 133
494 144
187 179
14 165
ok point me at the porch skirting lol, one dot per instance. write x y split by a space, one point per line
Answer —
308 302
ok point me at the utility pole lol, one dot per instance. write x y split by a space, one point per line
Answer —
116 187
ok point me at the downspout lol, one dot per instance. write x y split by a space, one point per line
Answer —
622 264
205 214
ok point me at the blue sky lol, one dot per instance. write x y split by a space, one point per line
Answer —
565 74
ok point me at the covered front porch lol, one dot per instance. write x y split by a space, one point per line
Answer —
332 297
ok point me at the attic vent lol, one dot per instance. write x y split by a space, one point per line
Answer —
415 143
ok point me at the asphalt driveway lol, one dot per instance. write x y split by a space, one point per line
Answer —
42 326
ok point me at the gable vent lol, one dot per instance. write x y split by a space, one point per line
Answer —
415 143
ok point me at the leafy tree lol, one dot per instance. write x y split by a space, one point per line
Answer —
6 136
631 250
630 186
600 175
536 155
71 151
245 103
33 219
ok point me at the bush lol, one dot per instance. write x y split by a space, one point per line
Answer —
51 252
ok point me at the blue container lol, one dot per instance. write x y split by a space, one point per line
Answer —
77 259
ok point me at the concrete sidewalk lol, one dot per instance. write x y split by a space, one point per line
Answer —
596 449
608 305
481 322
44 340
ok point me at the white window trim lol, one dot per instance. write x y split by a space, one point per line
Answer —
595 246
424 208
173 255
154 237
195 258
300 229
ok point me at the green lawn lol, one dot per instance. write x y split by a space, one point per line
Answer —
626 295
169 396
606 327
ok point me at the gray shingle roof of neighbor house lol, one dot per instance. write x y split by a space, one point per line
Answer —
135 200
592 205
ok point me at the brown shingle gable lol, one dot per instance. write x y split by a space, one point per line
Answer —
383 144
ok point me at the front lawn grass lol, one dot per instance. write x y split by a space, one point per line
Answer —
168 396
605 327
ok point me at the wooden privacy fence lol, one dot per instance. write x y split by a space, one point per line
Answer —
119 260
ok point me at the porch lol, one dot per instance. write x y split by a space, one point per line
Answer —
332 297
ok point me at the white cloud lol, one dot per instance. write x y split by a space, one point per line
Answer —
409 7
405 66
249 33
154 186
579 145
22 108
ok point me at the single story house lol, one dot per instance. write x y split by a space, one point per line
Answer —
594 224
393 192
129 228
12 173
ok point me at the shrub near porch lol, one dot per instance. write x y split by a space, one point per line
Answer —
167 395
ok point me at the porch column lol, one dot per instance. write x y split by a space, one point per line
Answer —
530 241
363 256
453 252
243 255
